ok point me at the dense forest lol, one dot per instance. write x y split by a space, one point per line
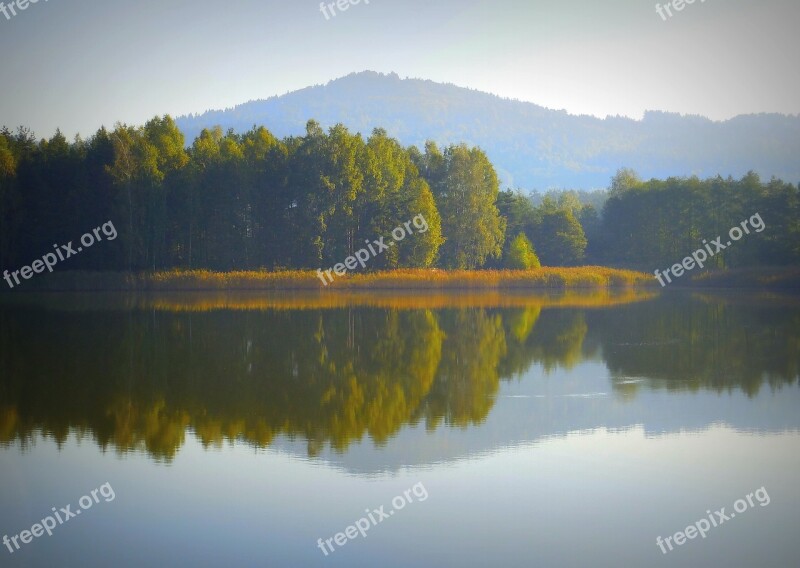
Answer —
651 224
248 201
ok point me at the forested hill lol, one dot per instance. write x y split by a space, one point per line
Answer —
531 147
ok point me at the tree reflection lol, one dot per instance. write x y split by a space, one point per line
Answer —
139 379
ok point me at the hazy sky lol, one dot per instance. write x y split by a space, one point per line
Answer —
79 64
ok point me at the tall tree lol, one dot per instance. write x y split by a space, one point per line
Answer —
466 195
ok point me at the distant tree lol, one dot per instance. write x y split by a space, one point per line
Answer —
560 239
518 211
623 180
570 200
592 228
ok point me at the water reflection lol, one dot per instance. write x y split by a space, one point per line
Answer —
139 373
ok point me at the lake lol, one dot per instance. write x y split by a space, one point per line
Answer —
399 429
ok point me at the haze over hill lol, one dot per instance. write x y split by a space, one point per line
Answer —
532 147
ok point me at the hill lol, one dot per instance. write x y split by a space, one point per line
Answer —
532 147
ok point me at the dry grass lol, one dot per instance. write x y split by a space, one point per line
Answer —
426 279
585 277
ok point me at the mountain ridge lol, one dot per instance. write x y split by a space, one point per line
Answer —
531 146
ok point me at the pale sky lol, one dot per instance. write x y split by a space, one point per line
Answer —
80 64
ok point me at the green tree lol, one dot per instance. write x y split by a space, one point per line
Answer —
223 208
465 186
623 180
145 161
518 211
396 193
560 239
521 255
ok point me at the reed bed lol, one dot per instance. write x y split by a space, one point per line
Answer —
585 277
409 279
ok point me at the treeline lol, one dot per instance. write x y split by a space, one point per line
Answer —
660 222
245 201
656 223
249 201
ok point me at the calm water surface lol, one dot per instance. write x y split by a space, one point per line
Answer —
555 431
